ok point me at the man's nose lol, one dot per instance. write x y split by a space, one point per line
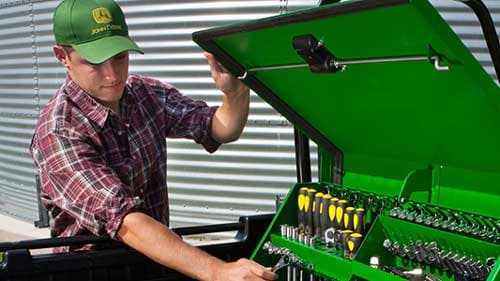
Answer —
109 70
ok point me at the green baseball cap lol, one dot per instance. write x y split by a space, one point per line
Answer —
96 29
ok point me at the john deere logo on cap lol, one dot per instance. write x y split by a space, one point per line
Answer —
102 15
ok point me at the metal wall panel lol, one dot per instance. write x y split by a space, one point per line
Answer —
18 110
241 178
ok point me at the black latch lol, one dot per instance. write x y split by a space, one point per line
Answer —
319 59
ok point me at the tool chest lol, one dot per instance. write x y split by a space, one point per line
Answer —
407 127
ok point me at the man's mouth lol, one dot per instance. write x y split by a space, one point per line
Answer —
114 85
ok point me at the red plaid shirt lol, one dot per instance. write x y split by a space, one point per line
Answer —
96 167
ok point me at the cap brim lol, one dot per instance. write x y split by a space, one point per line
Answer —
100 50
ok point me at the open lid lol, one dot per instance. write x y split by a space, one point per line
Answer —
408 109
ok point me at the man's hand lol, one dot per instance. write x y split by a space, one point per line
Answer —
162 245
224 80
231 117
244 269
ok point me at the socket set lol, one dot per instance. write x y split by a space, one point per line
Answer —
414 274
467 266
345 243
476 226
296 268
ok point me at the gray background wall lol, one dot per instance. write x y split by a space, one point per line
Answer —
241 178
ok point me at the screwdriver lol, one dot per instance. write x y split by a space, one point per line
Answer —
341 205
318 197
353 242
348 218
324 221
359 221
308 222
332 210
301 215
344 234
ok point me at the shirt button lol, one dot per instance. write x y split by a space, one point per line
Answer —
120 133
138 201
142 190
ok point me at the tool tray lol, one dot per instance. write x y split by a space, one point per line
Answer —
406 123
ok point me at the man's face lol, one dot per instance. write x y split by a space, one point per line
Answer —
105 82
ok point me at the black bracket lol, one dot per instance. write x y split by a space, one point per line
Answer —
43 213
319 59
326 2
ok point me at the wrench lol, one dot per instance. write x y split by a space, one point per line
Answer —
282 262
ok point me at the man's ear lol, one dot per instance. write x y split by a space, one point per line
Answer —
61 55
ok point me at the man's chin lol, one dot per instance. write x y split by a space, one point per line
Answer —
109 98
112 92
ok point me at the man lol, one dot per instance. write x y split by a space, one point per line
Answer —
100 142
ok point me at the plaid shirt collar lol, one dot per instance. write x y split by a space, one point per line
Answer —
95 111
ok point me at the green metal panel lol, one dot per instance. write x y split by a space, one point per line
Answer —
388 118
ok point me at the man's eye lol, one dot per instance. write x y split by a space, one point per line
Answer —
120 57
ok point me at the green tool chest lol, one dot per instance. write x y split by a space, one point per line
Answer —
407 124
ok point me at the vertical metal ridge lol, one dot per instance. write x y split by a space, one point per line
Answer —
34 46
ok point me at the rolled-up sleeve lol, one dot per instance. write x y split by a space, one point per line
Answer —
77 179
185 117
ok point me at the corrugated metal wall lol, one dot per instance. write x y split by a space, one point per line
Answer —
18 110
241 178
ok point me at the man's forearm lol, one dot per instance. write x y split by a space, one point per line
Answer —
160 244
230 119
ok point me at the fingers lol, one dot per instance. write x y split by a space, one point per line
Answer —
215 67
244 269
262 272
214 64
224 80
266 274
